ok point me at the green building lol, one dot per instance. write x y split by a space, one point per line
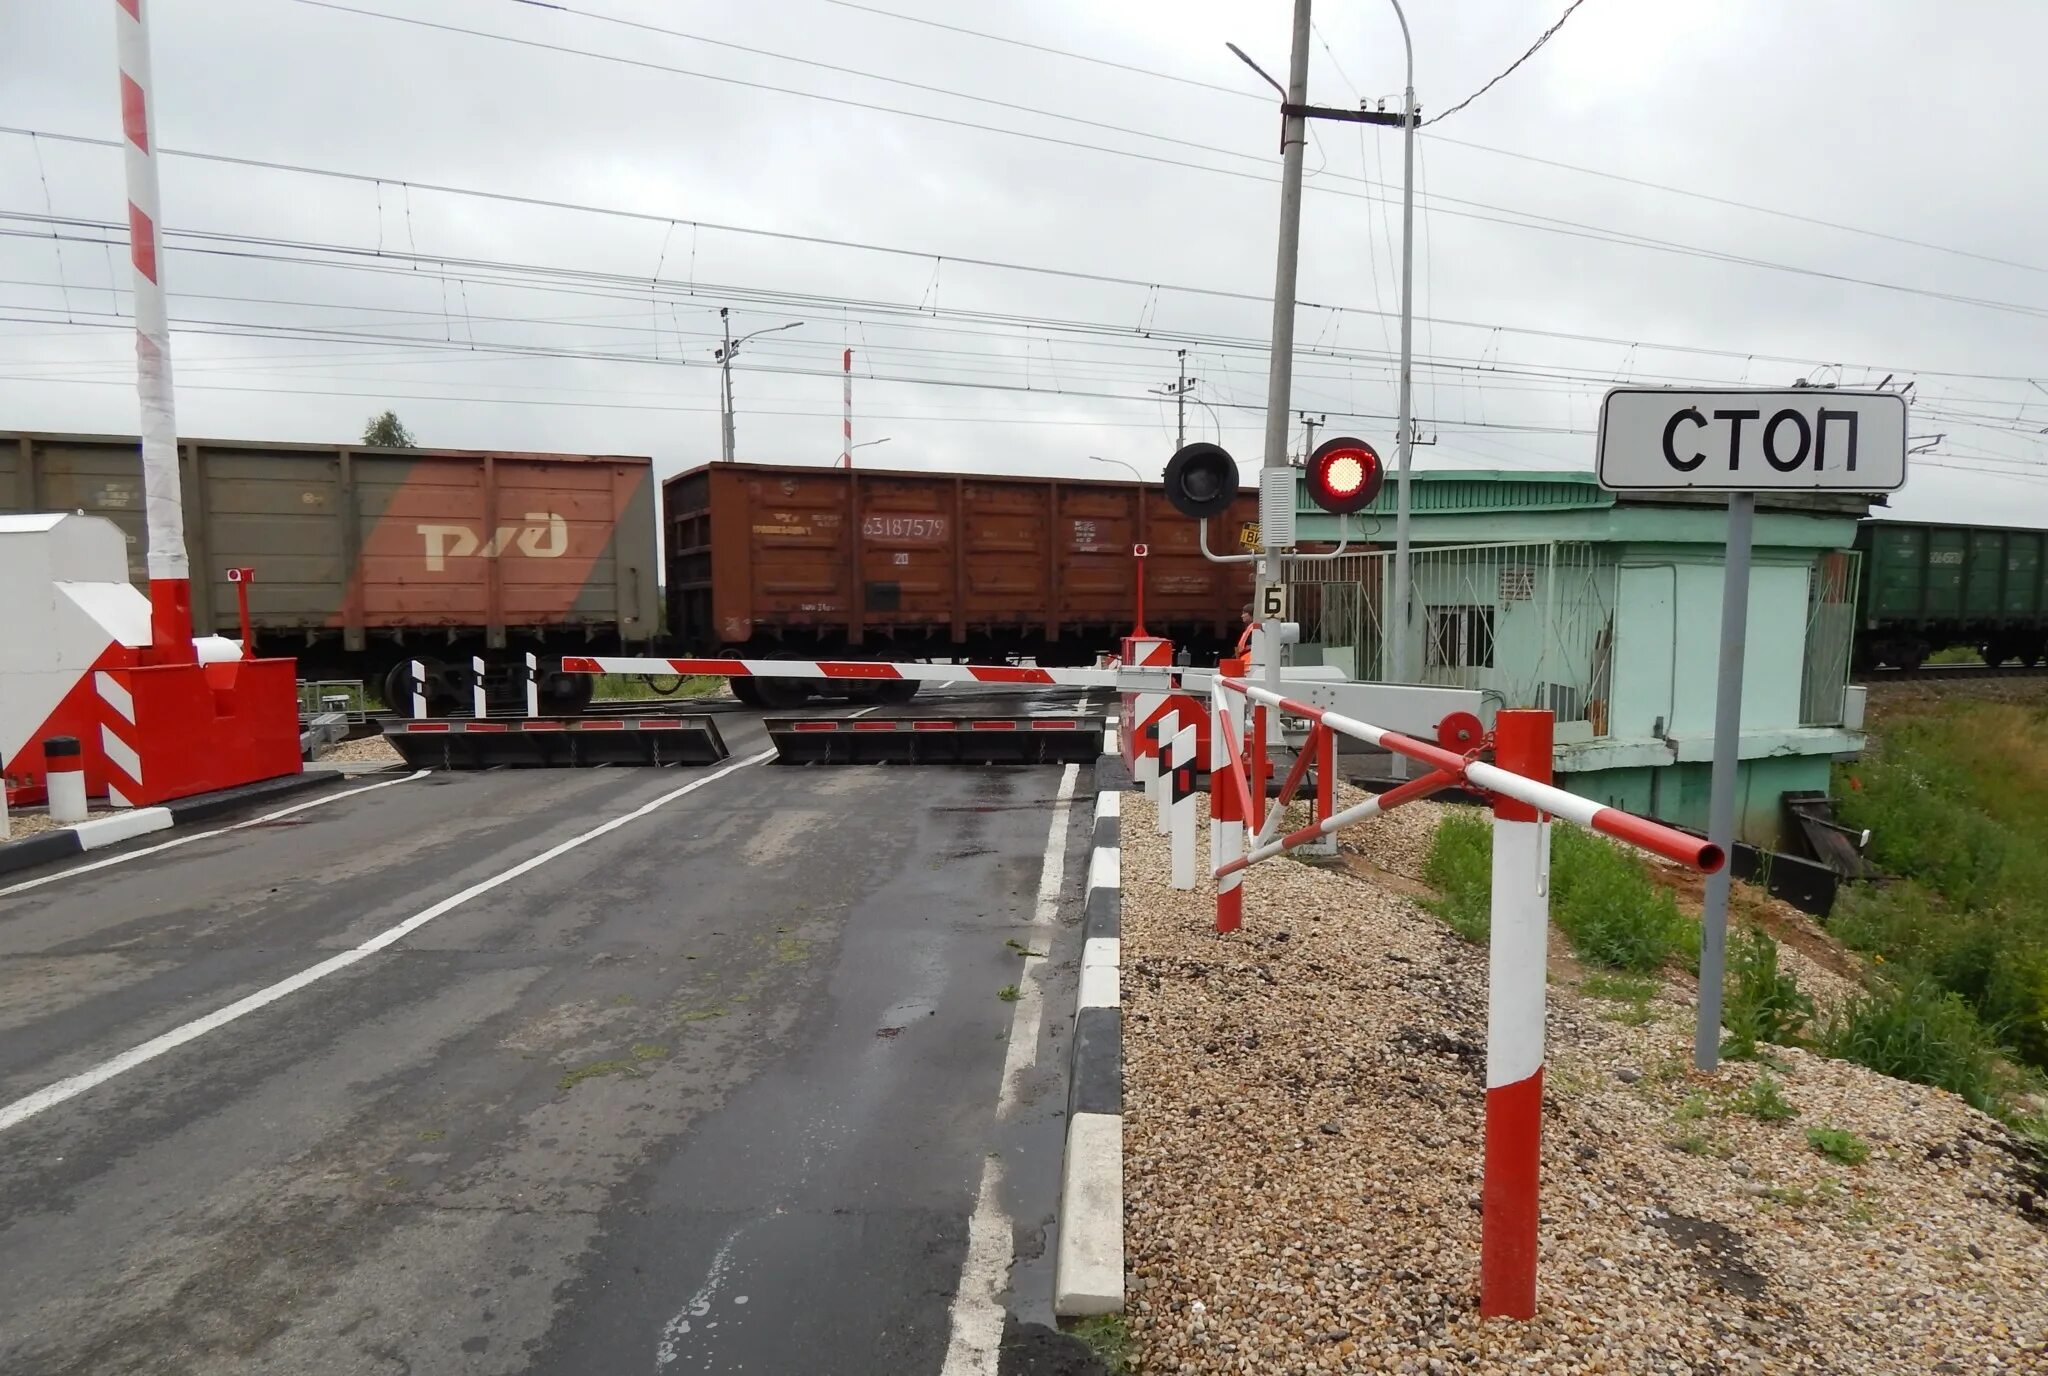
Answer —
1542 590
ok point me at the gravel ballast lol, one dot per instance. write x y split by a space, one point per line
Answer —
1303 1119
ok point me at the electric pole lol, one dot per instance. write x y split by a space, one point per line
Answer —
1178 389
1309 423
724 354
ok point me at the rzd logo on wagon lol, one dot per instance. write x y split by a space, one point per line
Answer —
544 536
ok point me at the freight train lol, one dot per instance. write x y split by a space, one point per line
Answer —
366 560
1929 587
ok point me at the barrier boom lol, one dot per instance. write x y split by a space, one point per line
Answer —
862 670
1668 842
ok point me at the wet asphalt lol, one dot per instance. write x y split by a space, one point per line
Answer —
710 1092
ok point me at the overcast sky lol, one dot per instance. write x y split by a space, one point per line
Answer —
304 303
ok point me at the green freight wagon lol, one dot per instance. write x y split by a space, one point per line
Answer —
1928 587
365 558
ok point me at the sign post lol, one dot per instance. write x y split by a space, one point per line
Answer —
1743 442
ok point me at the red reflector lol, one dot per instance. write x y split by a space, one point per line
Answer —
541 726
814 726
994 725
874 726
931 726
1055 726
487 726
598 725
414 728
656 725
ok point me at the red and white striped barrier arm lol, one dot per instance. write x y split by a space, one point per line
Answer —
1672 844
163 513
860 670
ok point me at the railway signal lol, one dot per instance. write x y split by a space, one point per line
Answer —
1201 480
1344 475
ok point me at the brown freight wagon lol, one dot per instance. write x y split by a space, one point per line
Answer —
871 564
367 558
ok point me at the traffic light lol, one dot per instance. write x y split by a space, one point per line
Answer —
1344 475
1201 480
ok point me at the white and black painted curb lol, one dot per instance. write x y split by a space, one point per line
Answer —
48 847
1088 1272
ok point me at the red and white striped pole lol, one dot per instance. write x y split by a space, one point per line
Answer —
1226 820
1516 971
846 455
170 579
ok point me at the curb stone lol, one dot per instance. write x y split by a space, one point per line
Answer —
1088 1272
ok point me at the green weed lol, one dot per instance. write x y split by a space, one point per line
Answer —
572 1078
1619 988
1009 993
1109 1339
1837 1144
1604 901
1763 1101
1915 1031
1761 1003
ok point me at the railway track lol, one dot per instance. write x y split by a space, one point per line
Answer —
1950 671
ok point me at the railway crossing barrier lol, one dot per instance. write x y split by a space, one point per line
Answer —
1524 801
465 743
936 740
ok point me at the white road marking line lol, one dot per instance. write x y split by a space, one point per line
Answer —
49 1097
125 856
1028 1012
976 1317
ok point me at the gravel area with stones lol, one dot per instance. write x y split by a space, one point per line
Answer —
367 750
1303 1118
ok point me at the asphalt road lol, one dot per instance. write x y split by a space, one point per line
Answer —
713 1090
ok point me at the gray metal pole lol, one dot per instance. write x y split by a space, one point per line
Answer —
1280 373
1706 1046
725 388
1406 450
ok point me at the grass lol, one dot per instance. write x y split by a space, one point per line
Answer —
1601 895
1460 869
634 687
1915 1030
1619 988
1764 1101
1009 993
1956 799
1839 1144
1760 1003
596 1070
1693 1144
1109 1339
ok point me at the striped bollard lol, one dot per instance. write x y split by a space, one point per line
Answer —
418 684
1164 730
1226 825
532 684
478 704
1181 805
1145 768
1516 969
64 779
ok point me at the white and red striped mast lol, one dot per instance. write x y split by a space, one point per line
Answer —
170 579
846 455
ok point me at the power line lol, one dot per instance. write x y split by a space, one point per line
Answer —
1529 220
970 261
1543 38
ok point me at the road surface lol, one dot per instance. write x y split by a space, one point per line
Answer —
687 1070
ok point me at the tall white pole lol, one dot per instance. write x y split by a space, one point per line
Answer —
846 454
1398 615
170 585
725 387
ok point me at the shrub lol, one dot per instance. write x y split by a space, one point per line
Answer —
1460 869
1604 901
1839 1145
1916 1031
1761 1003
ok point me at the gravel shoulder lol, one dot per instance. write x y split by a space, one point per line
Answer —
1303 1127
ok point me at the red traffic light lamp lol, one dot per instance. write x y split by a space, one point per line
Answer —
1344 475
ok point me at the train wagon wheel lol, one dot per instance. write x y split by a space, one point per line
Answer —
897 690
746 690
567 693
781 694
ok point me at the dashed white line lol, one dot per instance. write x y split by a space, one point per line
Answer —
50 1096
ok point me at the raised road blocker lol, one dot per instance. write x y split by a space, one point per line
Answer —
538 743
936 740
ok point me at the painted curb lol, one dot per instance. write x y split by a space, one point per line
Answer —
1088 1270
48 847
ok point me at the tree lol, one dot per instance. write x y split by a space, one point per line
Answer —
388 432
